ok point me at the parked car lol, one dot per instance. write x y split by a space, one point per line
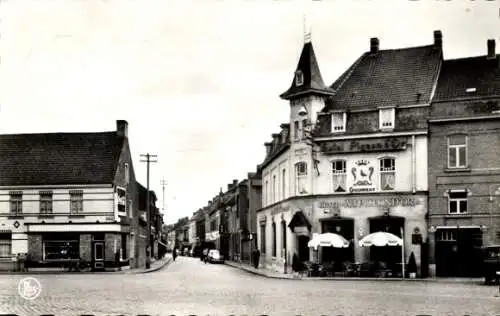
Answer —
215 257
491 263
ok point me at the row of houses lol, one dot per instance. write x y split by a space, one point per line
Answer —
404 141
69 198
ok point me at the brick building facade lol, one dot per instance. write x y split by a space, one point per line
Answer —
464 171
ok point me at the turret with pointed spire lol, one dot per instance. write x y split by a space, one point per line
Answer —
308 79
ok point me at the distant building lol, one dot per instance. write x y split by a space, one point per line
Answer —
464 172
67 198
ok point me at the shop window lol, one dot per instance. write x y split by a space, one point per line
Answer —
16 202
263 238
387 174
457 151
339 176
339 122
46 202
61 248
457 202
76 201
386 118
301 177
5 245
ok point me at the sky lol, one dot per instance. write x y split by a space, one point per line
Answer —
198 81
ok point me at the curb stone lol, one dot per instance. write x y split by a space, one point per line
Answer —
293 277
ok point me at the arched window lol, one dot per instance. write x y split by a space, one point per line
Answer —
339 176
299 78
387 174
274 240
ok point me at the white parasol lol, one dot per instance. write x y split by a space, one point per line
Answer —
328 240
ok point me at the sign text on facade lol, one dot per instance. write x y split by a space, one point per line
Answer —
360 203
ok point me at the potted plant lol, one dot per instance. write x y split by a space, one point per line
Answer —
412 266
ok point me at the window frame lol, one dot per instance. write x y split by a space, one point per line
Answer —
457 201
76 198
392 115
16 198
283 183
334 174
274 199
275 244
46 199
344 122
296 130
299 78
263 238
382 172
457 152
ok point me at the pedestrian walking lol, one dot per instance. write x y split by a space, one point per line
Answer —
256 259
174 253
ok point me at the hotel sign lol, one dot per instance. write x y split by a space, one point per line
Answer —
279 209
364 145
371 202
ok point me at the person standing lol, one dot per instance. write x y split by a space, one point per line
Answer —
174 253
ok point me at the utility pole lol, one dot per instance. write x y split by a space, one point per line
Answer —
163 184
148 211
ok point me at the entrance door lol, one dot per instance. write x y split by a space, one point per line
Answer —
303 248
98 255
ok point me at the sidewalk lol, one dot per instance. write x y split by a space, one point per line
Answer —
277 275
155 266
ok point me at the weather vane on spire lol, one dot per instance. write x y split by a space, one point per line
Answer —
307 28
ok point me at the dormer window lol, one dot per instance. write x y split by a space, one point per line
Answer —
387 118
299 78
338 122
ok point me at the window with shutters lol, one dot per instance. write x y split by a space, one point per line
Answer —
457 202
338 122
457 151
339 176
387 118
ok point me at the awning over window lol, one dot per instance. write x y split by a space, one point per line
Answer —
300 223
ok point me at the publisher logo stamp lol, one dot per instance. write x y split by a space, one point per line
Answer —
29 288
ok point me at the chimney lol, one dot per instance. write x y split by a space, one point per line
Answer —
235 182
276 138
268 148
229 186
374 44
122 128
491 49
438 39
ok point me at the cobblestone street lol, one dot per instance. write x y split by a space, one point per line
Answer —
189 286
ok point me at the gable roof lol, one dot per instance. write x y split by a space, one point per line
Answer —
458 75
59 158
388 77
313 82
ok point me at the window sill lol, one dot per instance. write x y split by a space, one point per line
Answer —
45 215
459 169
387 129
462 215
15 217
76 215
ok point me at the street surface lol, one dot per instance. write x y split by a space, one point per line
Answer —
188 286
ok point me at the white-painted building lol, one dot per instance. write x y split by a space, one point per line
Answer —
352 159
67 198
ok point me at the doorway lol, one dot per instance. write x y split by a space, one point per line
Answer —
98 255
303 248
458 252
